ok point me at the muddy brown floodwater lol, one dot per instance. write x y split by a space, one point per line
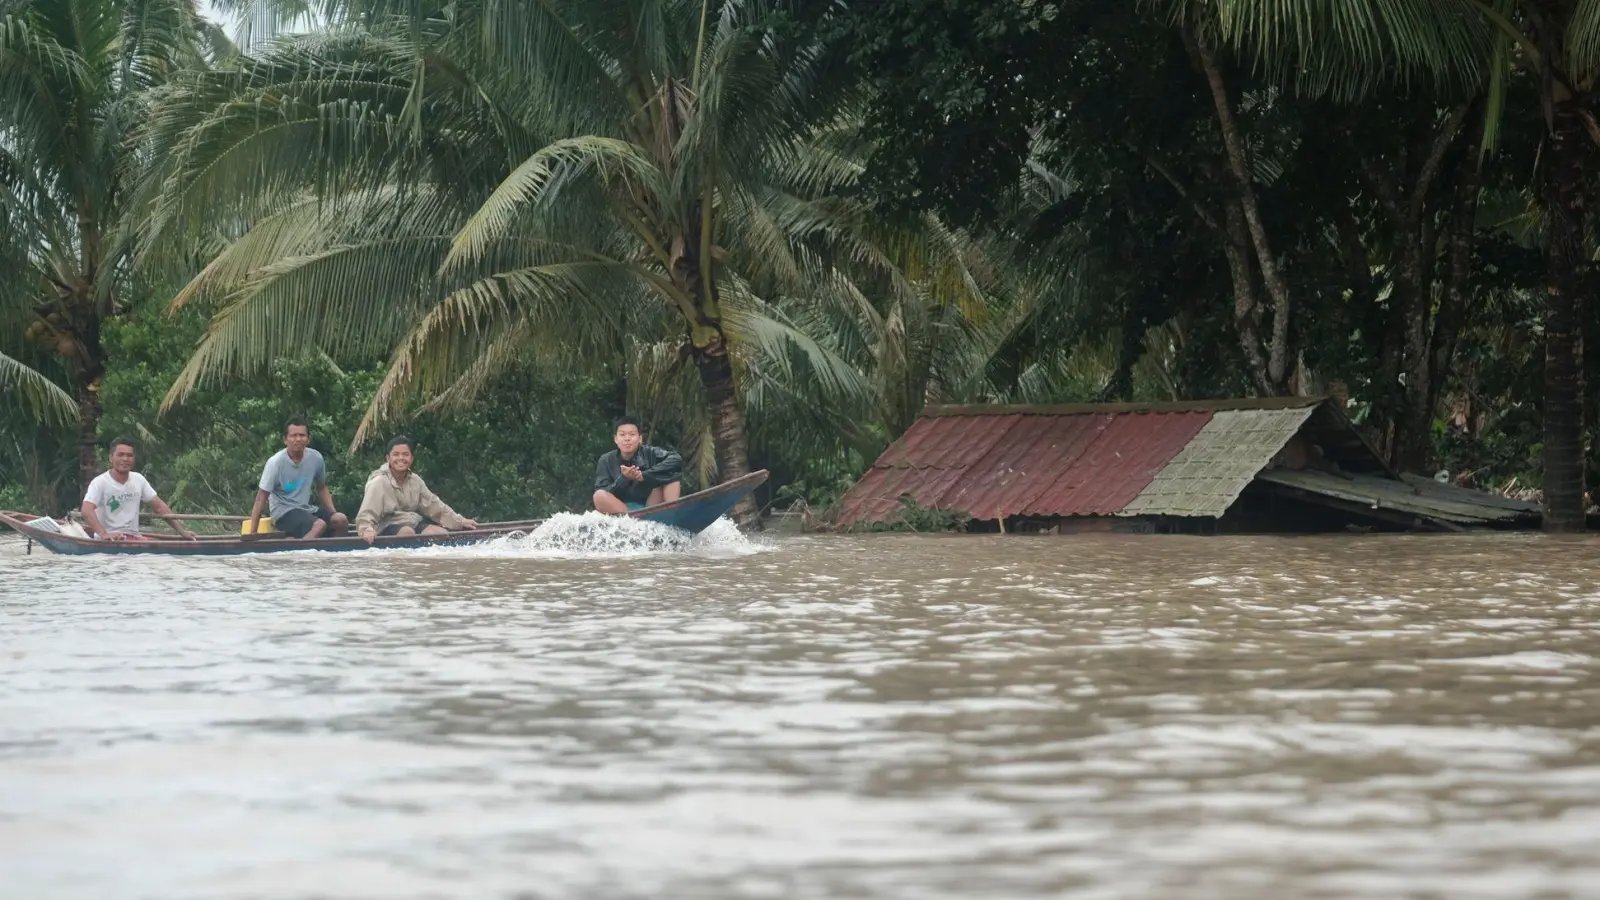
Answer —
573 716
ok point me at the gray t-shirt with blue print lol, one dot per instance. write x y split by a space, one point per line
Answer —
289 483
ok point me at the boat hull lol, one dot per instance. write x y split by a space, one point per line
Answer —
695 512
692 513
67 545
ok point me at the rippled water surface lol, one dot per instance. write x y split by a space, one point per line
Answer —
881 716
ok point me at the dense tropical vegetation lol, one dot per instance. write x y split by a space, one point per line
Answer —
776 229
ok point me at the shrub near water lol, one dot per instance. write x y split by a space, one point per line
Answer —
916 518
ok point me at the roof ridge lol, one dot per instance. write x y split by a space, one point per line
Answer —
955 410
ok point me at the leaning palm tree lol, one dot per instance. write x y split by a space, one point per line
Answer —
75 79
461 181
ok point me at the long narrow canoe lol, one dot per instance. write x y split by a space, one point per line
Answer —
692 513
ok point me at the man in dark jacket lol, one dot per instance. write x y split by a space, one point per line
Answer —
635 475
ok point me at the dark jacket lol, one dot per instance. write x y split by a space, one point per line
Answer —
659 465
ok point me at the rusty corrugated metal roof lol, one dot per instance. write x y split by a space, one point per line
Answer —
1032 453
1188 459
1213 469
1124 458
876 497
950 444
1050 464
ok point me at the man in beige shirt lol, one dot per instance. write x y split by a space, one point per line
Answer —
398 502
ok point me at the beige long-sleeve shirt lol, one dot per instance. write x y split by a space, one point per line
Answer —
390 502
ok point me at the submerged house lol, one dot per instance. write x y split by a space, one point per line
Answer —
1283 464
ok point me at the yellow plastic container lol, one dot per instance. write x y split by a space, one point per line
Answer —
265 526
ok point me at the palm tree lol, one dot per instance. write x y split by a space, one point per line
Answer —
75 81
1349 48
462 182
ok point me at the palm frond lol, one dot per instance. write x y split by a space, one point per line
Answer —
538 182
1583 40
36 72
1349 48
349 300
543 54
321 115
566 298
762 332
44 399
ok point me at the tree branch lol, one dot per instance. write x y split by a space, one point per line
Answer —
1238 162
1161 169
1430 166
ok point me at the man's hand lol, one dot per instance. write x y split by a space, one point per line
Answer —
367 534
187 534
632 473
470 523
116 536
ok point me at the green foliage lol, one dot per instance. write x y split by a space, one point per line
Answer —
530 216
819 482
1494 428
1111 117
916 518
516 179
76 80
526 450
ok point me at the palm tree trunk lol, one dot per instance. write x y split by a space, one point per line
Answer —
86 356
1566 277
88 430
692 272
1246 309
727 429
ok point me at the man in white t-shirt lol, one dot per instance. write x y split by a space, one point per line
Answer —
111 505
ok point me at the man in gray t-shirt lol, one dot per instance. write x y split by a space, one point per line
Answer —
286 482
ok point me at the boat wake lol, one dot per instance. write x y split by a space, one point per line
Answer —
595 535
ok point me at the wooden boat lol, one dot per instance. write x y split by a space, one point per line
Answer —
692 513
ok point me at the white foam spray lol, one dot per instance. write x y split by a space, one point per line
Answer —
596 535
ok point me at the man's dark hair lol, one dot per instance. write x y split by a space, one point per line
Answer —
118 442
296 421
398 440
628 420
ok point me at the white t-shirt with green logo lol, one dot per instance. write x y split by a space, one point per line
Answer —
116 504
